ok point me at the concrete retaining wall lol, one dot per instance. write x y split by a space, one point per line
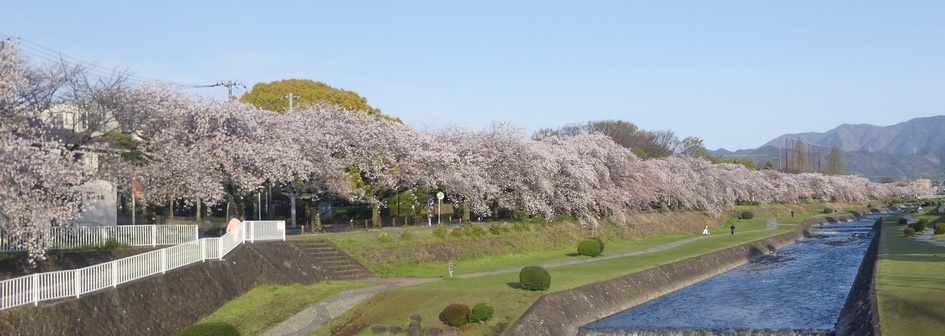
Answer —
562 313
860 315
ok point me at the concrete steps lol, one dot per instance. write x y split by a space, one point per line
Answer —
339 264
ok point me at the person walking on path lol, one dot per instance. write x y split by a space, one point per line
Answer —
733 228
706 230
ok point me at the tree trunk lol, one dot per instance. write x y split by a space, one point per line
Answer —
465 206
376 216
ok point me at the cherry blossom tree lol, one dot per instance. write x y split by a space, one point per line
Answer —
37 174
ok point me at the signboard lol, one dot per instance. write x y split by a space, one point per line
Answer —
430 201
99 204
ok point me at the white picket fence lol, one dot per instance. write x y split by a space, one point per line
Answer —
40 287
93 236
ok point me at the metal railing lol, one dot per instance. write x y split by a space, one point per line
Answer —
69 237
40 287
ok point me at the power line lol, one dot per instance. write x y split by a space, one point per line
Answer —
36 50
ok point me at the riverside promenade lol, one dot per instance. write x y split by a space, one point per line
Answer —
307 321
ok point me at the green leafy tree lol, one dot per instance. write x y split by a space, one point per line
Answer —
543 134
272 96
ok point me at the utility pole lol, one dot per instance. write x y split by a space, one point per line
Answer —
229 86
291 97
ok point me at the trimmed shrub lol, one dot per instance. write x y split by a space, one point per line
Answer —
589 247
747 215
498 229
455 315
940 228
903 221
457 232
919 226
534 278
440 231
909 232
601 242
828 210
475 231
405 236
384 238
480 313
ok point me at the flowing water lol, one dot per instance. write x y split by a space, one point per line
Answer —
800 288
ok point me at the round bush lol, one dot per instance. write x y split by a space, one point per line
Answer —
908 231
828 210
919 226
481 312
534 278
747 215
940 228
455 315
601 242
590 248
903 221
440 231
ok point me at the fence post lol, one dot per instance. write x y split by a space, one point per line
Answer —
114 274
153 235
163 260
220 248
78 283
35 290
203 249
252 232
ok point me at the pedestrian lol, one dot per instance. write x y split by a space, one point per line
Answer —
234 224
733 228
792 213
705 231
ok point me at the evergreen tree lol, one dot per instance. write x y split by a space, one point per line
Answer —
798 162
834 163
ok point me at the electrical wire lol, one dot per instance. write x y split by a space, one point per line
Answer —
41 52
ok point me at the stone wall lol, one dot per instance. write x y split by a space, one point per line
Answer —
860 315
164 304
562 313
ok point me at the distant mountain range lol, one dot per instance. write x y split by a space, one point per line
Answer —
908 150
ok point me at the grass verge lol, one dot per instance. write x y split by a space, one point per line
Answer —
266 306
909 284
394 307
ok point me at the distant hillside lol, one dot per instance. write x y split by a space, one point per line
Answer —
913 136
907 150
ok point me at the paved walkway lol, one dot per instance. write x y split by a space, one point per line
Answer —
927 238
307 321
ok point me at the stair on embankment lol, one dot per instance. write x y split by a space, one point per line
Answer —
339 264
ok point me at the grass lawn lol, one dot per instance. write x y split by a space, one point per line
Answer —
266 306
501 291
491 263
910 284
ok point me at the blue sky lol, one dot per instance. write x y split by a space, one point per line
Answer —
734 73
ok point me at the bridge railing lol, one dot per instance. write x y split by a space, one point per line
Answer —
40 287
68 237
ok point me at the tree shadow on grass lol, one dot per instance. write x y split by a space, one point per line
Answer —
572 254
515 285
210 329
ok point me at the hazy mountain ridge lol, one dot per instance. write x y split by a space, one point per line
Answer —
913 136
907 150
